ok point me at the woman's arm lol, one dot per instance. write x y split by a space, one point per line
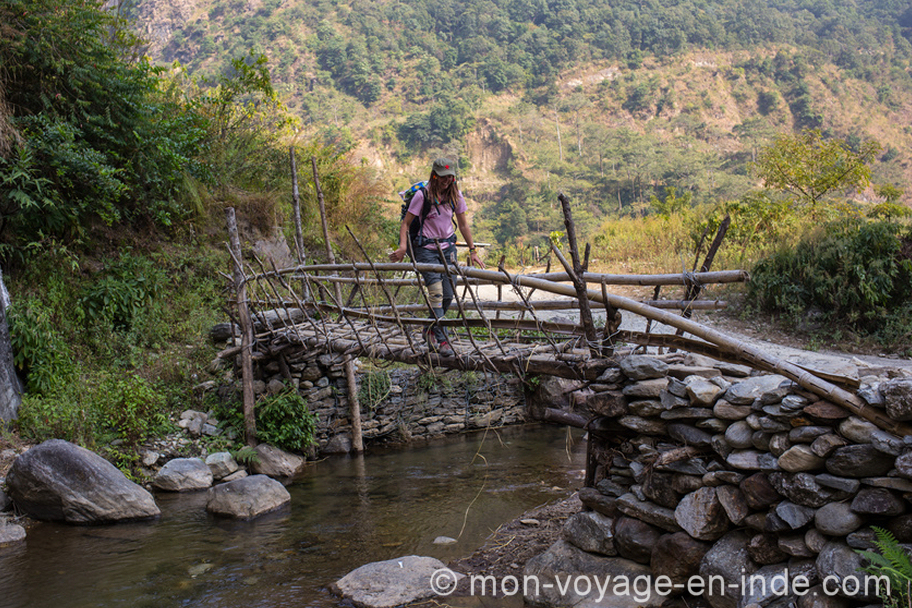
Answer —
466 231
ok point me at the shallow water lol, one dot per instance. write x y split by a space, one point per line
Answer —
344 512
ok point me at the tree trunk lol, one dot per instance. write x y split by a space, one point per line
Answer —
10 386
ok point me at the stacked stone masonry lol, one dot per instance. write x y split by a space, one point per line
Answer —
708 469
410 404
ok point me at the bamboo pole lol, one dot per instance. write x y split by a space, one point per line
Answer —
240 285
348 364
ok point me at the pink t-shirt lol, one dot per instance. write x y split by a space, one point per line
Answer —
439 221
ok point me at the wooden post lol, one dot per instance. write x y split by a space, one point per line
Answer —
296 204
348 364
578 270
240 286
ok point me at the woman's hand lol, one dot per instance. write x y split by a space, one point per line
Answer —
474 260
397 256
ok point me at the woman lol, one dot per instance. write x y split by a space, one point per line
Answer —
435 207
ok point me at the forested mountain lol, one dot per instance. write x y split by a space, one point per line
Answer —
610 101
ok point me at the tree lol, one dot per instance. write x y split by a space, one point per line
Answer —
809 167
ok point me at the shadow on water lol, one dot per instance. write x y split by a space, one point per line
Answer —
344 512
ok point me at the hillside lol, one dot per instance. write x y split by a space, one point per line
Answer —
609 102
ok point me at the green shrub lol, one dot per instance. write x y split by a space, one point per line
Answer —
56 416
40 350
858 273
132 409
892 562
282 420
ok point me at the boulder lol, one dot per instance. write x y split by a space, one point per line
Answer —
758 492
221 464
701 515
839 562
751 389
393 582
183 475
563 562
703 392
635 539
800 458
274 462
552 392
248 497
732 500
878 501
590 531
648 512
10 534
58 480
678 557
728 558
764 549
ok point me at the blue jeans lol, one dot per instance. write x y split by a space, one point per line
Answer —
424 255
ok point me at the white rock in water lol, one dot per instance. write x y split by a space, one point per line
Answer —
444 540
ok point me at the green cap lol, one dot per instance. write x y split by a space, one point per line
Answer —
443 166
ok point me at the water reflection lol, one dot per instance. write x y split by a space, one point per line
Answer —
345 512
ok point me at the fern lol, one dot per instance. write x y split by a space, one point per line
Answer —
894 563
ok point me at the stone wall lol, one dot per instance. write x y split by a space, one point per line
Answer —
709 470
403 404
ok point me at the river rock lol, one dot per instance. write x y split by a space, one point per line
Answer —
729 559
607 403
878 501
857 430
891 483
58 480
183 475
751 389
888 443
728 411
807 434
552 392
779 444
862 539
562 560
859 461
904 465
646 409
800 458
247 498
643 367
678 557
794 515
590 531
816 597
824 410
11 534
803 489
764 549
689 435
901 527
635 539
825 445
836 519
759 492
658 488
645 426
752 460
276 463
795 546
648 512
393 582
738 435
595 500
733 502
703 393
838 560
897 395
843 484
701 515
6 503
767 585
221 464
815 540
646 389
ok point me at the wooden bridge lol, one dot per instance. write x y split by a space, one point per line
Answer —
376 310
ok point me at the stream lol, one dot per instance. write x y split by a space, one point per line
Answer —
345 512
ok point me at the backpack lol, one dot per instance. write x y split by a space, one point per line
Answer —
418 223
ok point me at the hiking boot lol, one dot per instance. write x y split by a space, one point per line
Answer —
444 348
427 336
